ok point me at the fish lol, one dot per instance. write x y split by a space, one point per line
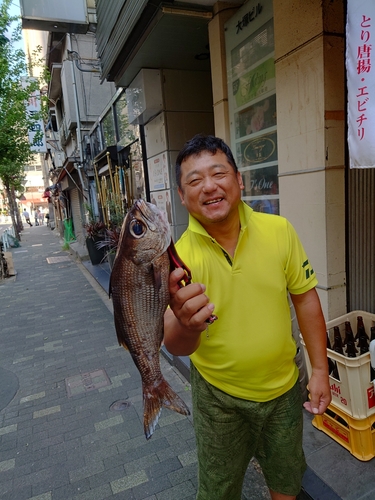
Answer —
139 286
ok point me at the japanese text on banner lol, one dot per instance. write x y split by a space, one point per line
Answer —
361 83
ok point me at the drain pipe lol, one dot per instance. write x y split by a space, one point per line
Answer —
79 137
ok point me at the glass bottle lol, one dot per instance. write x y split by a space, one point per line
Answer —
363 345
372 333
331 364
360 328
349 336
351 351
337 340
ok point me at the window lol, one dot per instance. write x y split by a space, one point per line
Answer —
108 128
125 130
252 105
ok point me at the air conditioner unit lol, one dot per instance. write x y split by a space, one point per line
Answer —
59 158
144 96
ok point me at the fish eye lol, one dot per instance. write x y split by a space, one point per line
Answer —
137 228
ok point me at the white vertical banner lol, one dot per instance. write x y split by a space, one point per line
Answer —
360 67
32 108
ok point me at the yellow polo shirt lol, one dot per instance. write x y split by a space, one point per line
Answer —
249 351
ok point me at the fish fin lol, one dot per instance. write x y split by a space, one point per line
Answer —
154 398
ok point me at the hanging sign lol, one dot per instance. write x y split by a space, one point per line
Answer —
360 67
36 132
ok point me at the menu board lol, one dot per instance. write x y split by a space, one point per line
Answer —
252 103
158 172
162 199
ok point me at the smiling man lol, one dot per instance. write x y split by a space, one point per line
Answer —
246 395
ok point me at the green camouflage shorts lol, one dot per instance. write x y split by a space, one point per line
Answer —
230 431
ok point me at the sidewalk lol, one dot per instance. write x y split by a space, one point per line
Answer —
61 369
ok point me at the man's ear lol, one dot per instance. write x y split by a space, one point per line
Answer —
181 195
240 180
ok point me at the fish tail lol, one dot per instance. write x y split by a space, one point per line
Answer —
154 398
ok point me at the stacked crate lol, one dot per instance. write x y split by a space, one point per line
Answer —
350 418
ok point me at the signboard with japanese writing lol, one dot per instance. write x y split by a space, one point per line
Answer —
158 172
162 199
360 59
252 102
37 137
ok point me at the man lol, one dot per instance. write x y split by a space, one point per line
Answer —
27 217
36 217
246 395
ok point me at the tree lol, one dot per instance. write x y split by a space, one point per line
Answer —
15 90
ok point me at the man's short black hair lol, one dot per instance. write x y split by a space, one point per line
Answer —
199 144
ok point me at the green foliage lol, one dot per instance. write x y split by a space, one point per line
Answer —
116 213
94 228
15 150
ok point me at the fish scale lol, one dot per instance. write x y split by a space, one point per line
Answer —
140 295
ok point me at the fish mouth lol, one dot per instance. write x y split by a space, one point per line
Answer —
142 207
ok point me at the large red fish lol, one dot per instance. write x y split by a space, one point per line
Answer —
140 295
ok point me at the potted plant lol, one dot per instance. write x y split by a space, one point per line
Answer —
110 244
94 238
95 234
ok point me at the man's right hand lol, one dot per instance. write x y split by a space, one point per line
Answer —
186 319
190 304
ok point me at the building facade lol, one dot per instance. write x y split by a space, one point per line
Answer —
272 75
269 78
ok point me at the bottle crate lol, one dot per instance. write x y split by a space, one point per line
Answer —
357 436
353 391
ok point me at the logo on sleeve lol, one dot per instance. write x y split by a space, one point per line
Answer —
309 271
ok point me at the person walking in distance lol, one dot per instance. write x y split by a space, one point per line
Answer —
246 396
36 217
26 215
40 217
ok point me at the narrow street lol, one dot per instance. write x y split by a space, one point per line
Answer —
60 371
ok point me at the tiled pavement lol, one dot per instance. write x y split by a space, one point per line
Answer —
58 437
63 369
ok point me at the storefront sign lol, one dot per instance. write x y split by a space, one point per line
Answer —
162 199
260 150
252 102
248 17
158 172
255 82
360 60
37 136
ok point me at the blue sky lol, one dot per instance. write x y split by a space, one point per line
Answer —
15 8
15 11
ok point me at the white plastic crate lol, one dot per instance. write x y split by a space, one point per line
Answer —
354 392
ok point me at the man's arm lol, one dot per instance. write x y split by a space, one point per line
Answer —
313 328
185 320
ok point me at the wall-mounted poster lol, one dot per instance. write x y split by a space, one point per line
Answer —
259 116
252 102
158 171
162 199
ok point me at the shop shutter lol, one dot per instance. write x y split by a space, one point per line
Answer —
76 213
361 239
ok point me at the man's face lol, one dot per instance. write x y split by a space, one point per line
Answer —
210 188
